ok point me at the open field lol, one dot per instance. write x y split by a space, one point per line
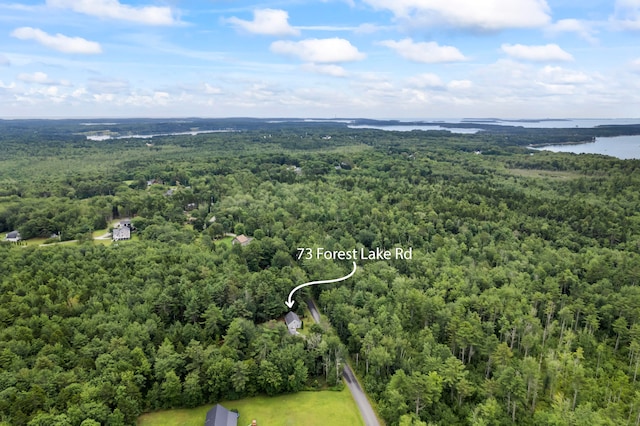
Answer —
327 408
227 241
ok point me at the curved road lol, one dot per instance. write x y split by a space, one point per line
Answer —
368 415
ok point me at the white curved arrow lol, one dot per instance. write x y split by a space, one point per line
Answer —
291 302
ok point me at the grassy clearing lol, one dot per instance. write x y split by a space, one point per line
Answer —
35 241
100 232
327 408
227 241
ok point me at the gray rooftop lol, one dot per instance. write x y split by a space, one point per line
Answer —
291 317
220 416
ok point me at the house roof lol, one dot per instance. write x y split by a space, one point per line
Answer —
291 317
13 234
123 233
242 239
220 416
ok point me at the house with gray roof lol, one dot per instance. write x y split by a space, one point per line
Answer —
293 322
13 236
220 416
123 233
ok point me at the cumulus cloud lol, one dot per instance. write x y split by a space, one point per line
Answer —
36 77
627 14
266 21
328 50
472 14
559 75
540 53
58 42
425 80
211 90
330 69
583 29
434 82
113 9
39 77
157 98
460 84
424 52
4 61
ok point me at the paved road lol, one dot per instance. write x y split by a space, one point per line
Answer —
359 396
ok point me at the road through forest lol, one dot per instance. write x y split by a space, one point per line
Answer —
368 415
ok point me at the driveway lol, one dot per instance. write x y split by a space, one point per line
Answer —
368 415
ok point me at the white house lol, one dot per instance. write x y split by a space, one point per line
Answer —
293 322
13 236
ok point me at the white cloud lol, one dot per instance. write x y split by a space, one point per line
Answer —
113 9
542 53
330 69
583 29
424 52
635 65
328 50
559 75
104 97
211 90
79 93
368 28
7 86
58 42
484 15
268 22
4 61
627 14
36 77
39 77
425 80
460 84
434 82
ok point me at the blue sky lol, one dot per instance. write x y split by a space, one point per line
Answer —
324 58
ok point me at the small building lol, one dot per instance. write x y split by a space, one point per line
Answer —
13 236
121 233
220 416
293 322
242 239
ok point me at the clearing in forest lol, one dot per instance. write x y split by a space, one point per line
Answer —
326 408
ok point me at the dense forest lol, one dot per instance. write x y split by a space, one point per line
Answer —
520 303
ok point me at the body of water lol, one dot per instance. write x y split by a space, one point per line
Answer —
624 147
192 133
408 128
557 124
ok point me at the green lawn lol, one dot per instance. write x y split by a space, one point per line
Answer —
326 408
227 241
100 232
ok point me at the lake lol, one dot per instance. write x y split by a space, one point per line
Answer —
106 137
410 127
624 147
